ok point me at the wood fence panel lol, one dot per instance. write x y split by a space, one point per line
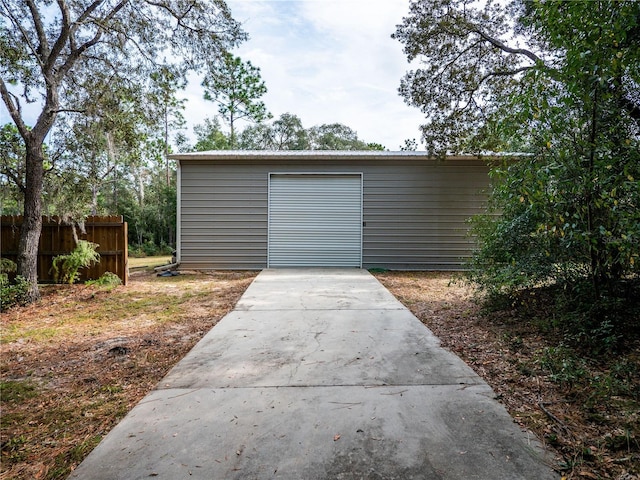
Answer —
109 232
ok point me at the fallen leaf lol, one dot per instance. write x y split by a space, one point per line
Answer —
587 474
336 437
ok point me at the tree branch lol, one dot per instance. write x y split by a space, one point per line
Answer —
76 53
37 22
502 46
15 179
27 40
13 105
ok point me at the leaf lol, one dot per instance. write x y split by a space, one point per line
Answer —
336 437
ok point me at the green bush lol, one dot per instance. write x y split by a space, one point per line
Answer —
66 268
7 266
149 248
12 293
108 279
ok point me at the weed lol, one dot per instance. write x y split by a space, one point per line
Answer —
108 279
14 449
111 389
12 293
17 391
563 365
65 460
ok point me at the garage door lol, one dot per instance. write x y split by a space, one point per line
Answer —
315 220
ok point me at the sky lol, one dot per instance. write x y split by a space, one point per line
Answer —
326 61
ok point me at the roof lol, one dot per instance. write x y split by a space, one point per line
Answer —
320 155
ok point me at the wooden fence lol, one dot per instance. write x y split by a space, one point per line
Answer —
109 232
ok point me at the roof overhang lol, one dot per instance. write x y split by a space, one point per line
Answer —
311 155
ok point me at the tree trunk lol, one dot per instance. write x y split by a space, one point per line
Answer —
32 222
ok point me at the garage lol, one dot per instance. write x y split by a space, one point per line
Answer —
248 210
315 220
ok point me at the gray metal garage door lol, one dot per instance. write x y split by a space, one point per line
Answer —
315 220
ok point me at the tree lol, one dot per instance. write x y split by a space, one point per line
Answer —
335 136
559 81
210 136
236 87
165 82
11 169
48 53
410 145
285 133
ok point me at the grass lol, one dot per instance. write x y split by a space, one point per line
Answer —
90 312
17 390
76 362
148 262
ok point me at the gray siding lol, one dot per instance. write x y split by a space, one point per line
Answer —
414 209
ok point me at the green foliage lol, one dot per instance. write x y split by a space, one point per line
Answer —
209 136
7 266
236 87
152 224
12 170
563 365
12 294
410 145
285 133
335 136
288 133
66 268
107 279
461 74
13 449
566 214
16 391
75 56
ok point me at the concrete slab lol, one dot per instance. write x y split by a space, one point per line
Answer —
320 347
424 432
318 374
317 289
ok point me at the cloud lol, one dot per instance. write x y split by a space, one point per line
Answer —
328 61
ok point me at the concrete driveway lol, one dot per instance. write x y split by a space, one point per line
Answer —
318 374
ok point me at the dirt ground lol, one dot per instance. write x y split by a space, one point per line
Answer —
75 363
585 410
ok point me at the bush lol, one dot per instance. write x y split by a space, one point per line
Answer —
150 249
11 293
108 279
15 293
66 268
7 266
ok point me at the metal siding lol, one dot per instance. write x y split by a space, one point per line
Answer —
315 220
416 214
223 217
415 210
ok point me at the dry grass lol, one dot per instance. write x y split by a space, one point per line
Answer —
77 361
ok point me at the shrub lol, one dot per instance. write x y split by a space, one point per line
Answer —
66 268
15 293
7 266
108 279
149 248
